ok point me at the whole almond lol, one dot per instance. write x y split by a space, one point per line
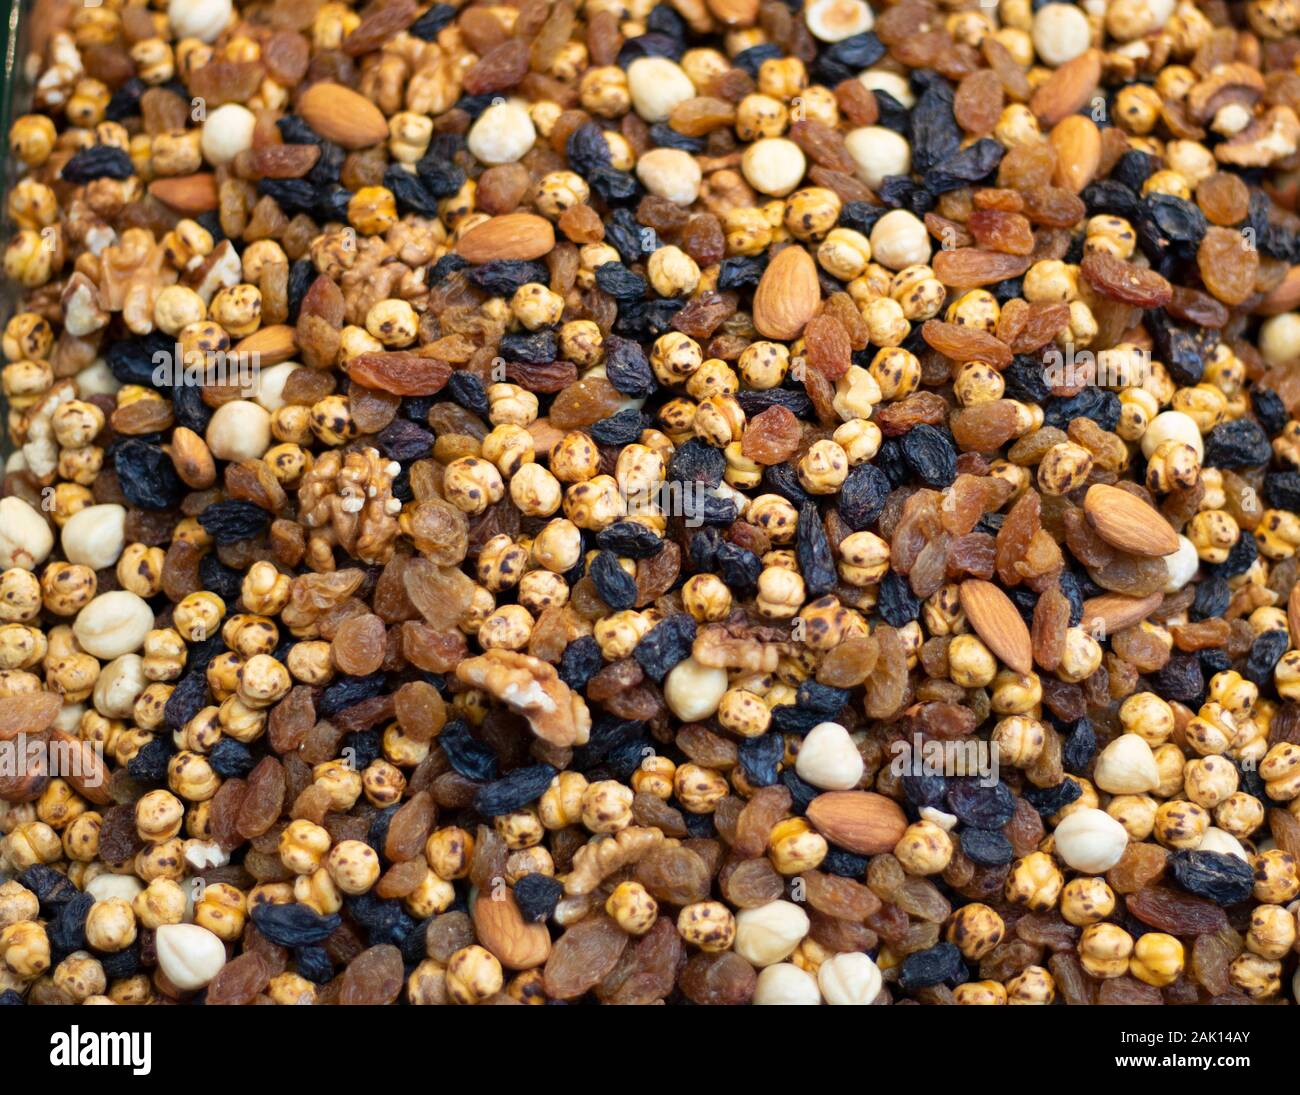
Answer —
1068 88
187 193
861 821
342 115
734 13
523 236
1111 612
1124 521
193 459
1293 615
87 772
787 295
502 929
1077 142
272 345
998 622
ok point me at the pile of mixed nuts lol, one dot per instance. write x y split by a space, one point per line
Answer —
717 501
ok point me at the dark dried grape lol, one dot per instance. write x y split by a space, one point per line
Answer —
897 604
537 895
987 847
230 522
862 497
147 475
1237 444
1265 652
580 662
939 965
985 807
100 161
515 790
1217 876
617 588
627 367
294 925
665 645
468 756
760 759
816 562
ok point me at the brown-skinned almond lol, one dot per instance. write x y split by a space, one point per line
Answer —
1067 89
998 622
861 821
787 296
523 236
1110 612
502 929
1124 521
342 115
187 193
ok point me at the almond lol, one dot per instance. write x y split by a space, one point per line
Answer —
187 193
342 115
861 821
502 929
1124 521
87 773
734 13
1077 142
1113 612
1293 615
272 345
1068 88
998 622
523 236
787 295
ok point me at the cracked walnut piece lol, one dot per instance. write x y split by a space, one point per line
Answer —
532 688
347 499
594 862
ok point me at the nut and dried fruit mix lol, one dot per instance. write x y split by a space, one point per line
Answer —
709 501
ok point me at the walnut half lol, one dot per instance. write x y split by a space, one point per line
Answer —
532 688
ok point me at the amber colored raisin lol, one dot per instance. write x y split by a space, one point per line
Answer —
582 224
757 820
985 427
827 346
1224 198
240 980
655 576
978 101
1053 207
1007 232
1120 280
587 401
374 976
704 314
409 828
1014 537
1176 912
856 102
264 798
358 645
772 436
751 883
965 343
841 307
1139 866
1051 619
972 267
1228 263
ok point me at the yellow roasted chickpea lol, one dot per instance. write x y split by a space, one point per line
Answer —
975 929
